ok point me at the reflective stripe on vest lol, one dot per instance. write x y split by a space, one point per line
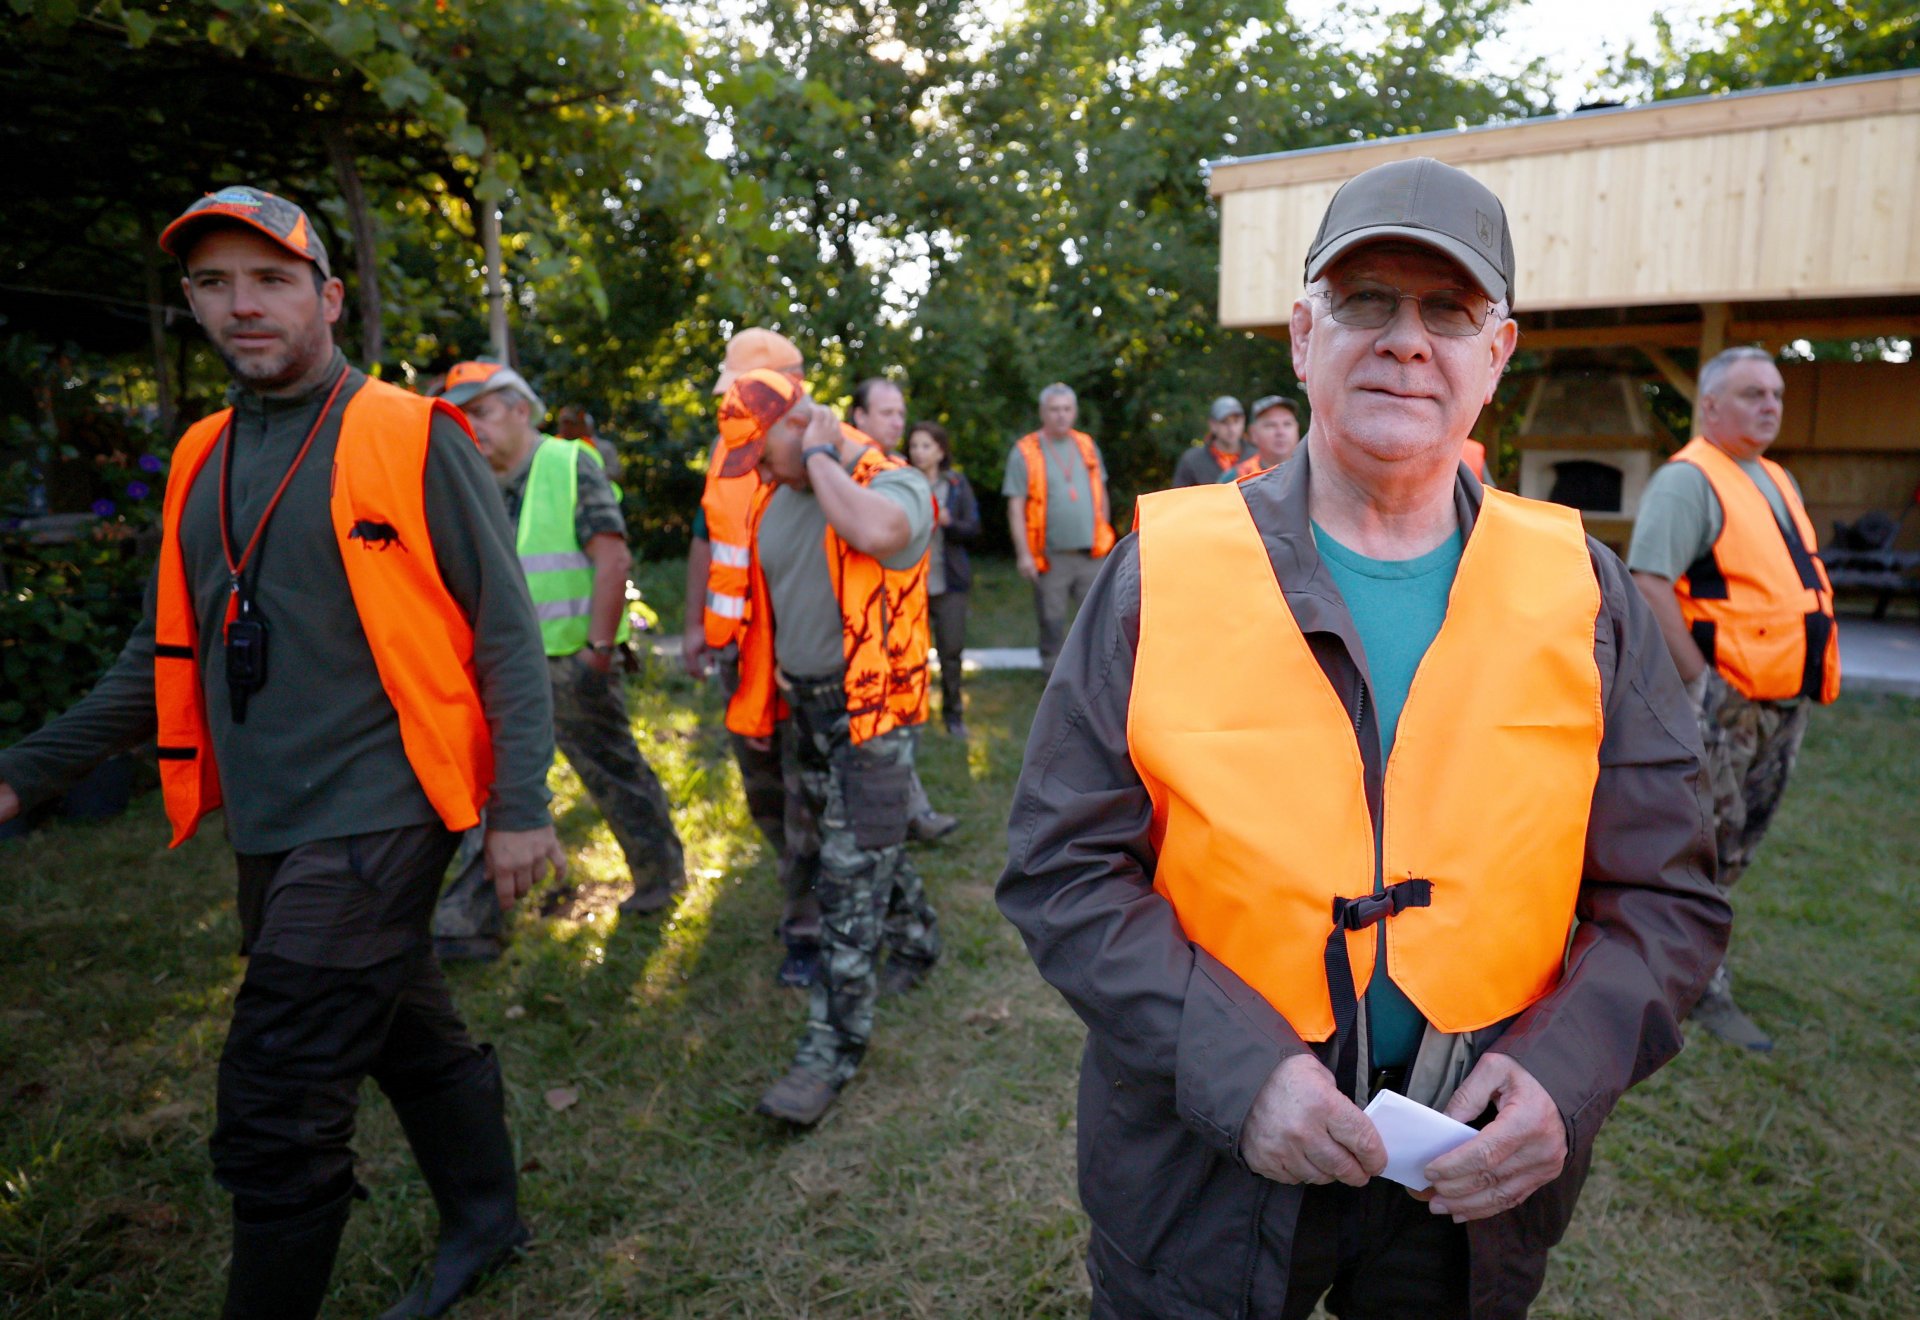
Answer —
1758 603
1036 464
422 642
559 573
1486 795
727 502
885 629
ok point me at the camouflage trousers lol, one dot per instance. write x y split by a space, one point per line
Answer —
1751 747
594 733
871 895
776 813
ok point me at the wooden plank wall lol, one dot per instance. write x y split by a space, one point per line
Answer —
1794 210
1851 438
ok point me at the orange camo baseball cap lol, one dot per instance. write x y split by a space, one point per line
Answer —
753 349
259 210
753 403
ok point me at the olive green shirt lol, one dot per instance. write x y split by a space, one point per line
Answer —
1069 494
1680 517
319 755
792 545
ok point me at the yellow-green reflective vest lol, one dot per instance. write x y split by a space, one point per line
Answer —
559 574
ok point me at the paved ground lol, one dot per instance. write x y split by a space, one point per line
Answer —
1880 657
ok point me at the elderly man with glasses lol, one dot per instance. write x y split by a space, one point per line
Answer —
1488 890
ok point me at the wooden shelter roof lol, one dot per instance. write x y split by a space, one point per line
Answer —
1769 215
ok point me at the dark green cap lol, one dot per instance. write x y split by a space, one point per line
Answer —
1420 201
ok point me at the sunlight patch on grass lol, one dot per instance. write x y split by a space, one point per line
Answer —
682 938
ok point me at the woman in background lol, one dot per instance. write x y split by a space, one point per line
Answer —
956 521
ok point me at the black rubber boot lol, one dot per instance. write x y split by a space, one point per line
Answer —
281 1266
459 1137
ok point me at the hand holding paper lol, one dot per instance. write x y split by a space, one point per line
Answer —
1414 1136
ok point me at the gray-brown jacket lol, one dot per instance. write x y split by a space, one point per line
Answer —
1178 1045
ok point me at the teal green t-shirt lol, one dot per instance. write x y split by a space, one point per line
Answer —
1398 606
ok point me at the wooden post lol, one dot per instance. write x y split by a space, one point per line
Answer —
1713 337
489 223
346 172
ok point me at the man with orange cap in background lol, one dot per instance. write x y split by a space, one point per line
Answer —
716 611
339 649
836 643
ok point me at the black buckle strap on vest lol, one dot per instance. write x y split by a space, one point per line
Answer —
1813 673
1359 914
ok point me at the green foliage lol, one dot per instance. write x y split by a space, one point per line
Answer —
1769 43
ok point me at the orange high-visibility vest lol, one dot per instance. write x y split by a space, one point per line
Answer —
1486 794
885 629
1036 462
1474 455
1758 603
727 502
422 642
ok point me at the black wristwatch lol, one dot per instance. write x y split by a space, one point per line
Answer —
601 648
831 451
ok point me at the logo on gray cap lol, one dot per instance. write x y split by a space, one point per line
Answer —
1420 201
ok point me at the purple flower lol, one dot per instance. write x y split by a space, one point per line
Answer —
137 490
150 463
104 508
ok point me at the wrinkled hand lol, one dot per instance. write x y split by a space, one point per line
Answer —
515 860
1303 1130
1521 1151
1028 569
694 656
9 802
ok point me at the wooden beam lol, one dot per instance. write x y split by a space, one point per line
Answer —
1660 334
1743 112
1714 319
1786 329
1667 367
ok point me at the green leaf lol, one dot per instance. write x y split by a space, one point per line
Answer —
140 27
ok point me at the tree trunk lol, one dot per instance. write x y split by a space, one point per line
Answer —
365 252
488 221
157 330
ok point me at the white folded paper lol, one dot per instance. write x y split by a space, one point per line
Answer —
1414 1136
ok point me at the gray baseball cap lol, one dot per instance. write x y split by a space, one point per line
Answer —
1224 407
1268 402
1420 201
467 381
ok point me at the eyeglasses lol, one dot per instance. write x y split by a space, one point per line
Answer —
1366 305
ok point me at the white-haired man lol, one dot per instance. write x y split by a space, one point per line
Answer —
1489 891
1056 489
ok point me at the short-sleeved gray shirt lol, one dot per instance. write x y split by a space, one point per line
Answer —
792 542
1069 494
1680 517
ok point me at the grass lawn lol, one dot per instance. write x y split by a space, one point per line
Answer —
942 1185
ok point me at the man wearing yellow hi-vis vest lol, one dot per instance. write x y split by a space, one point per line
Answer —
572 544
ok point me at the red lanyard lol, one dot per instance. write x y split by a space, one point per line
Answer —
1066 475
235 567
